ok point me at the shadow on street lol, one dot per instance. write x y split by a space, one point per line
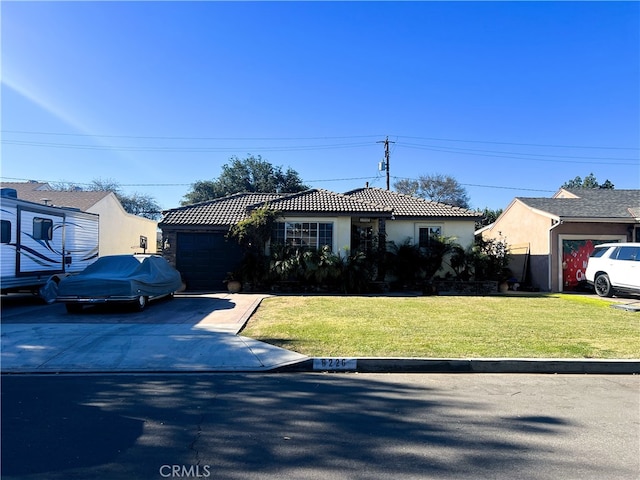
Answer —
287 426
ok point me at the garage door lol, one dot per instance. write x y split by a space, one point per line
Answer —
204 259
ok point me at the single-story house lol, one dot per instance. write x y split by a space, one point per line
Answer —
120 232
195 240
550 239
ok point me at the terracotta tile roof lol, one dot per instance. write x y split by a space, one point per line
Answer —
318 201
37 193
223 211
409 206
373 202
592 203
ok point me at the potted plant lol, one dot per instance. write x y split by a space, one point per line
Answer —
233 283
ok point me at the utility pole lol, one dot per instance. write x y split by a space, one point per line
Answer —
386 157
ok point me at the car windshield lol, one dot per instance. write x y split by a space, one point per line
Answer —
113 263
598 252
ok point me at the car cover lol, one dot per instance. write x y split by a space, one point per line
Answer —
122 276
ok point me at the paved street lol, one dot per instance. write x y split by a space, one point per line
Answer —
321 426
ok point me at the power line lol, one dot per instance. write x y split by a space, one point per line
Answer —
493 186
165 149
464 150
161 137
171 184
291 148
316 180
88 183
188 138
514 157
523 144
509 188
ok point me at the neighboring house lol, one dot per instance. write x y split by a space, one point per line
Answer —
195 235
551 238
120 232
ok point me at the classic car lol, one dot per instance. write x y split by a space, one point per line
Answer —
135 279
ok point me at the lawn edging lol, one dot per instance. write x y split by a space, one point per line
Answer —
474 365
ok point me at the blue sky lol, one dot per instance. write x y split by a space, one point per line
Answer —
510 98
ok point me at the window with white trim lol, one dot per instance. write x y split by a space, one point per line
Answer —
308 235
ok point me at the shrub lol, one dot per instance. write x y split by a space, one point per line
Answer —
412 265
317 270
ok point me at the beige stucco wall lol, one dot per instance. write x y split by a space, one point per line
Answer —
462 231
120 231
397 230
525 230
519 225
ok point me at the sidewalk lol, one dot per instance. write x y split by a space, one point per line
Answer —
211 343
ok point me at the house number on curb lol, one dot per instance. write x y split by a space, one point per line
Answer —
335 364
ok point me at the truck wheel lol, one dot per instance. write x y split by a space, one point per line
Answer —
602 285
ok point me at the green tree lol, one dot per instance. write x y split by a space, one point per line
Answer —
253 234
255 231
140 204
589 181
251 174
201 191
435 187
488 216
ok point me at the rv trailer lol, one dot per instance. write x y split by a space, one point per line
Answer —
39 241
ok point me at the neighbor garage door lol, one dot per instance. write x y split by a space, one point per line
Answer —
204 259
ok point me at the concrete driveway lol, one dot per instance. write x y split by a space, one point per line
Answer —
198 333
191 333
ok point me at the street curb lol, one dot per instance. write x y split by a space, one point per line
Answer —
481 365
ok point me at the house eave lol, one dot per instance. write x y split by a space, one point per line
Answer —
437 218
192 227
598 220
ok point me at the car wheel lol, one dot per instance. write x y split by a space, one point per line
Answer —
73 307
141 303
602 285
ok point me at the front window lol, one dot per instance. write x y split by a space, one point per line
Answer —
427 234
307 235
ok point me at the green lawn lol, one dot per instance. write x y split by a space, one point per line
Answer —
552 326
